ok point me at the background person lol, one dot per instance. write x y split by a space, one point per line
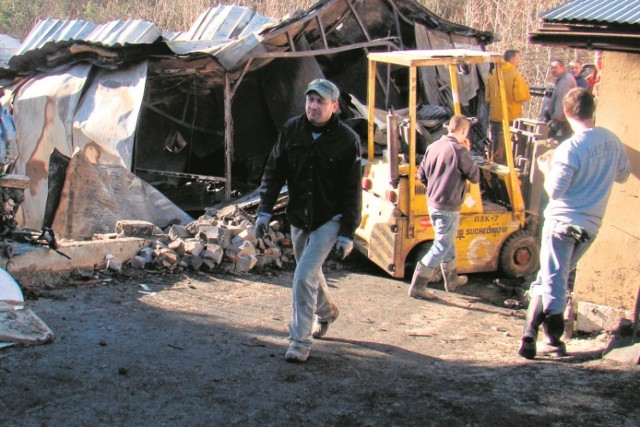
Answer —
516 92
554 114
444 170
318 157
579 176
593 79
575 68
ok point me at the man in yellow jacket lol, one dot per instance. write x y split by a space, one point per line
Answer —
516 91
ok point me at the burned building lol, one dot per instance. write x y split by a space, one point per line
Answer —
195 114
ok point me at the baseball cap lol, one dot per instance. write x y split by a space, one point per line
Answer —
324 88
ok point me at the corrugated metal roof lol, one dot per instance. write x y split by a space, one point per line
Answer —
8 47
226 32
601 11
225 22
109 34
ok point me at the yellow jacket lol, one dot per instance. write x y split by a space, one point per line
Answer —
516 91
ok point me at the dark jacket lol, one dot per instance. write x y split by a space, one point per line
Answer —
444 170
323 175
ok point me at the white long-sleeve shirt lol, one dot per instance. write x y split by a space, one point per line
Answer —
583 171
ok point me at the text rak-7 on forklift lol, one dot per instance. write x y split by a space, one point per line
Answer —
496 230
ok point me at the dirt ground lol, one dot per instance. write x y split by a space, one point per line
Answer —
205 349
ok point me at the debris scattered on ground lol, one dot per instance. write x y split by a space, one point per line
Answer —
224 240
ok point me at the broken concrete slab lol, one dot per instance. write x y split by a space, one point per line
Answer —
23 327
28 258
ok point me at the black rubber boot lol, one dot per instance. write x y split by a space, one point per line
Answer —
553 326
535 317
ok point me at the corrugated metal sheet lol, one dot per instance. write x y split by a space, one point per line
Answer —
225 22
110 34
226 32
8 47
600 11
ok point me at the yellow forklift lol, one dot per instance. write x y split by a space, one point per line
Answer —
497 231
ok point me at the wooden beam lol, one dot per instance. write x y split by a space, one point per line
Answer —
228 136
387 42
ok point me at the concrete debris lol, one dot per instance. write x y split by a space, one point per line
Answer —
18 325
112 263
225 241
134 228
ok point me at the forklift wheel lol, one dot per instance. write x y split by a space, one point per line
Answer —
520 255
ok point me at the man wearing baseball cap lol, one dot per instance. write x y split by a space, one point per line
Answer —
318 157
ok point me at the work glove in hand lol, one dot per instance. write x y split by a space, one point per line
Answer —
262 225
344 246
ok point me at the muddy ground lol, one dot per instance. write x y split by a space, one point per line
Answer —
204 349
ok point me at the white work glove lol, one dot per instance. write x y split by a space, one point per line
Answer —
344 246
262 224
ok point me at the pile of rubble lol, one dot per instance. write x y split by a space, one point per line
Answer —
225 241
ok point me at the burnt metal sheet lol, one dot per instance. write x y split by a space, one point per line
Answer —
114 33
55 30
601 11
8 47
64 112
225 22
44 108
54 44
108 112
228 33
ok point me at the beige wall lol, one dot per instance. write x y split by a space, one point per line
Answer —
609 273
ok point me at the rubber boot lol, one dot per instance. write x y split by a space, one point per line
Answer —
535 317
451 278
553 327
421 276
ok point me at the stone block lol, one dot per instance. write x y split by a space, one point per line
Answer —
247 248
134 228
208 264
178 246
213 252
146 253
275 225
595 318
244 263
138 262
193 247
275 252
178 231
209 233
248 235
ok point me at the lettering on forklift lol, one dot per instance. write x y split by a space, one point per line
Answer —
485 230
486 218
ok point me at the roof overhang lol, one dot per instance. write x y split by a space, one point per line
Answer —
620 38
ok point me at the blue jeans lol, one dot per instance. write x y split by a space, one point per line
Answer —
445 225
310 291
559 254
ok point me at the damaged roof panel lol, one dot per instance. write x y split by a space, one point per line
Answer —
225 32
113 33
603 11
55 30
225 22
134 31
